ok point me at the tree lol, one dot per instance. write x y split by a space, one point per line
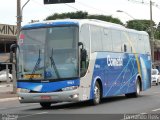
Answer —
143 25
71 15
83 15
105 18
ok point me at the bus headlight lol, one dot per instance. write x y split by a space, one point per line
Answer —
20 90
69 88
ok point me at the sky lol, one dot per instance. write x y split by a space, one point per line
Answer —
36 10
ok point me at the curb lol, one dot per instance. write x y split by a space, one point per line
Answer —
6 85
8 99
9 95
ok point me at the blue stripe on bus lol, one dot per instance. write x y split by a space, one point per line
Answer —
48 87
49 24
120 79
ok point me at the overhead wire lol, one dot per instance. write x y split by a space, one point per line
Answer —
89 6
155 4
83 4
42 5
71 6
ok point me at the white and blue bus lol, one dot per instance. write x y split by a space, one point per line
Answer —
78 60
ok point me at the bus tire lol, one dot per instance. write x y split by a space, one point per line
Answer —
137 93
45 104
97 94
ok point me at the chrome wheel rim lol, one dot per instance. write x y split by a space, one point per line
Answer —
138 88
96 94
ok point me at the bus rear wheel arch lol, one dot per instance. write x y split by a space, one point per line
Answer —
138 88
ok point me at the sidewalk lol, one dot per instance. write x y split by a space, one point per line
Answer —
6 91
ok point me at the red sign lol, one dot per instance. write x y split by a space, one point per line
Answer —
22 36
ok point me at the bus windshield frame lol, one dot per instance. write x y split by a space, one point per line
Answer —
48 53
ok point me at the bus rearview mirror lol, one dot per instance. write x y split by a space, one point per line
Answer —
12 47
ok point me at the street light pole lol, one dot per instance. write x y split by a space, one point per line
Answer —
19 20
152 33
18 17
126 14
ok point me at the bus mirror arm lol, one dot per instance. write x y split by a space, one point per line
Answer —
12 47
83 52
11 56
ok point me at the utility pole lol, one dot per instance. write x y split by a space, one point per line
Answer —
152 33
19 20
19 17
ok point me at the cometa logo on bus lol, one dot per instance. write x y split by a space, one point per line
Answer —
115 62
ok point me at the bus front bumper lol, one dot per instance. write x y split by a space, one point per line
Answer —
65 96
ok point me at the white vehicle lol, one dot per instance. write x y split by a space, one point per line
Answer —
155 76
3 76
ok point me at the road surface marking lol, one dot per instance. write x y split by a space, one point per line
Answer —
13 107
32 114
8 99
41 113
156 110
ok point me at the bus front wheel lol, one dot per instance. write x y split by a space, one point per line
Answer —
45 105
97 94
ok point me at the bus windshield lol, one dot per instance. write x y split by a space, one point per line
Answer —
48 53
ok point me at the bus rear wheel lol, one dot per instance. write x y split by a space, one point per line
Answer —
45 105
97 94
137 93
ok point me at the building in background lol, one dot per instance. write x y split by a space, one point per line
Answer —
7 38
157 54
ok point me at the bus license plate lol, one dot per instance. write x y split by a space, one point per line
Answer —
44 97
28 76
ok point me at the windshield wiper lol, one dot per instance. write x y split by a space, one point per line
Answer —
36 65
54 65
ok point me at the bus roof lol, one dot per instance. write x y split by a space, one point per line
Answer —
80 22
50 23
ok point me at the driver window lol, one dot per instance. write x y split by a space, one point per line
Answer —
85 39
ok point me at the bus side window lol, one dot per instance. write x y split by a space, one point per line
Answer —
141 44
116 38
125 42
106 40
96 37
147 45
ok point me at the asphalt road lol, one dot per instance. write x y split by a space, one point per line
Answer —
114 107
